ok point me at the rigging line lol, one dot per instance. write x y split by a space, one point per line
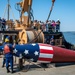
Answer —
12 13
5 11
31 14
18 8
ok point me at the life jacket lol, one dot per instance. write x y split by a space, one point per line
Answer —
6 49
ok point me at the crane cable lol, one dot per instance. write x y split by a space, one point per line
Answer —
35 37
51 9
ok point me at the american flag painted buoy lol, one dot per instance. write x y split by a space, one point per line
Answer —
43 53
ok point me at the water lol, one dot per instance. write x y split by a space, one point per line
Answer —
69 37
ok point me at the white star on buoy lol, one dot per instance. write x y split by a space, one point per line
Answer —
26 52
15 51
36 53
2 48
33 44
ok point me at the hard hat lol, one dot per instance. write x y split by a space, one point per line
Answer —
6 40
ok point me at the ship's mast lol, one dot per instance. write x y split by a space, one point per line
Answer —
8 14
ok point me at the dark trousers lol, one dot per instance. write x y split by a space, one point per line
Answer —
9 60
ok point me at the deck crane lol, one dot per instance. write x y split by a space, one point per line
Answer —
51 9
24 24
25 8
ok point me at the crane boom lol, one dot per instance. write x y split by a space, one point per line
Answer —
51 9
25 7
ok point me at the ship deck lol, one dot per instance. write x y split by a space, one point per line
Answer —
62 69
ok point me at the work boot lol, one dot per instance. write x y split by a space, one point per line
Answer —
8 70
12 71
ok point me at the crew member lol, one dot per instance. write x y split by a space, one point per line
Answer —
3 24
6 42
52 40
8 55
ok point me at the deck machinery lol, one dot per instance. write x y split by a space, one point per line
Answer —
21 30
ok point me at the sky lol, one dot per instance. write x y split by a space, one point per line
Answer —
64 10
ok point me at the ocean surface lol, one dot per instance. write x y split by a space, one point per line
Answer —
69 37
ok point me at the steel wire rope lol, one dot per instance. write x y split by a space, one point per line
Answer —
35 37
